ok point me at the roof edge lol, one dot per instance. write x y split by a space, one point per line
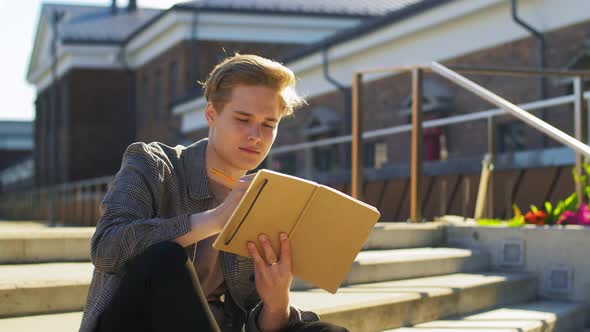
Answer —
364 28
271 12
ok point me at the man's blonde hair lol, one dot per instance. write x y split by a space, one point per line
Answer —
248 69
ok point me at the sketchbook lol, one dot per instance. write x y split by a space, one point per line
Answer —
326 228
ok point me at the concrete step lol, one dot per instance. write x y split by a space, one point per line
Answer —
29 242
371 307
541 316
396 235
396 264
43 288
29 286
33 245
63 322
386 305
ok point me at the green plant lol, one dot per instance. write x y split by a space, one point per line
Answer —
517 218
554 212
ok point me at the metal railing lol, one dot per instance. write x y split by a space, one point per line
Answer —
78 203
505 107
417 72
74 203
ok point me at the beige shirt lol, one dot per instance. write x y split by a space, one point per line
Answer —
207 263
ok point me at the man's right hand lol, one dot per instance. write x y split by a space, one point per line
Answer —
225 209
211 222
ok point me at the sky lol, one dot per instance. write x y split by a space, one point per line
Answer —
18 23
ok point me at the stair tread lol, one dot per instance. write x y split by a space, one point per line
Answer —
357 297
412 254
65 322
29 233
398 291
22 275
524 317
44 275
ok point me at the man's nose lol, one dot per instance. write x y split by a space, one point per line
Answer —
254 133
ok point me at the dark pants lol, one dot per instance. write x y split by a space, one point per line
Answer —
160 292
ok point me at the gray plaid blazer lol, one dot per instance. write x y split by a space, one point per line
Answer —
150 200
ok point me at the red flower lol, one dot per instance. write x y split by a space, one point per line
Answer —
535 218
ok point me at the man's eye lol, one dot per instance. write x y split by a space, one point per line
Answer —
242 120
269 126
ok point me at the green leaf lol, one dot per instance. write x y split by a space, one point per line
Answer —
575 175
516 222
548 208
517 212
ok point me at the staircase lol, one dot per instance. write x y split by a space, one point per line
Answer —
403 280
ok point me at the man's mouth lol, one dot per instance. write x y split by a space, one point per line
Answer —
250 150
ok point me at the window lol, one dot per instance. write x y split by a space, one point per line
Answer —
369 154
173 78
285 164
510 137
158 100
380 154
143 99
325 158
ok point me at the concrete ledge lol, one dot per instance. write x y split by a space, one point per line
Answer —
536 249
22 242
387 265
21 245
386 305
43 288
396 235
66 322
530 317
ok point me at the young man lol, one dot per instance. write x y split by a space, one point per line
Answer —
165 208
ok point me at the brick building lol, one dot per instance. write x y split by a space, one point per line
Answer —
108 75
16 154
139 83
466 33
530 167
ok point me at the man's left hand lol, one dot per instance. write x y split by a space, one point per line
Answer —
273 279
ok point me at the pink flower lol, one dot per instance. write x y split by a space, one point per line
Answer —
567 218
584 215
580 217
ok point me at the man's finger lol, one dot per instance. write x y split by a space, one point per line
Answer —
269 253
285 251
243 182
258 261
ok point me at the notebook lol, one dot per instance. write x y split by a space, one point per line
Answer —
326 228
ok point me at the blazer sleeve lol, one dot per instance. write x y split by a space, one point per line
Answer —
129 221
296 317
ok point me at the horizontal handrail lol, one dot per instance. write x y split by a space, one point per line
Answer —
516 111
456 119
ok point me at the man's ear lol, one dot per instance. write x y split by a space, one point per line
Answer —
210 114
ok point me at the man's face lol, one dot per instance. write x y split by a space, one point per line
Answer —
243 132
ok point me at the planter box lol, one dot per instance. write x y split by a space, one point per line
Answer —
559 255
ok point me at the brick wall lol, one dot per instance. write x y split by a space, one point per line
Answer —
163 126
382 99
100 122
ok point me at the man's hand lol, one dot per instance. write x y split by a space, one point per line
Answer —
273 280
211 222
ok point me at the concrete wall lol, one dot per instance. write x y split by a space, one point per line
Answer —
563 250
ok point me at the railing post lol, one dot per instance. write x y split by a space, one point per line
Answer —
416 164
308 163
356 184
580 120
97 199
79 206
51 202
492 161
